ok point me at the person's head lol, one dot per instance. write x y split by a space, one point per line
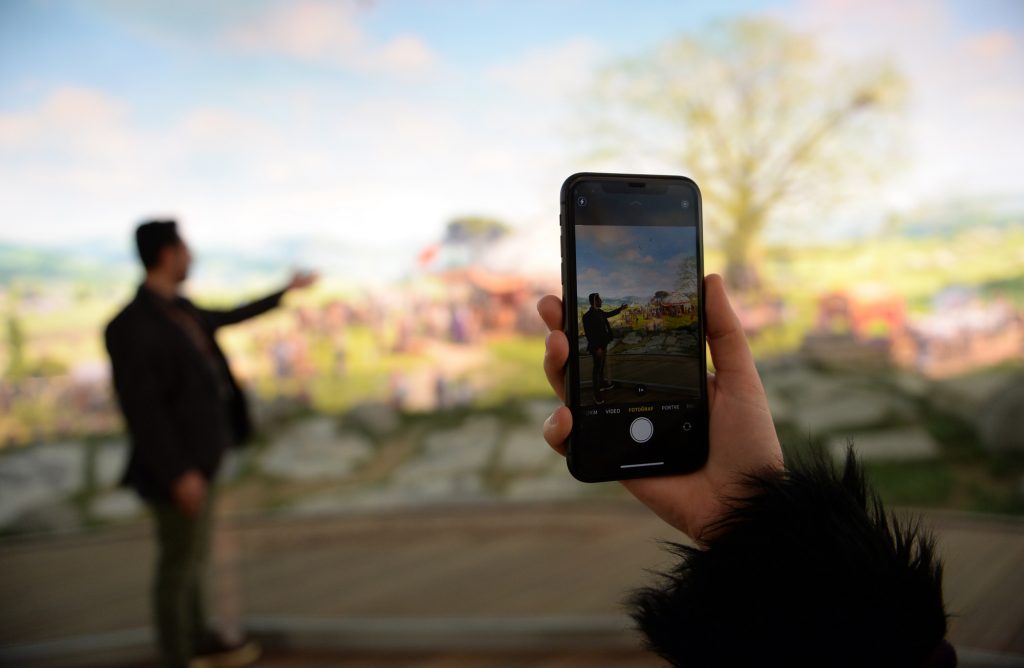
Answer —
162 250
595 299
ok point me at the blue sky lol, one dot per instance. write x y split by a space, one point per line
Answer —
621 261
376 122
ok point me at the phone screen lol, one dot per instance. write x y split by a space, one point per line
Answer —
634 290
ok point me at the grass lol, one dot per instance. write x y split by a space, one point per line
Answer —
515 370
928 484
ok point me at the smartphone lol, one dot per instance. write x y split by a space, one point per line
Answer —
633 290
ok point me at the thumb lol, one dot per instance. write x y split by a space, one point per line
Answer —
730 352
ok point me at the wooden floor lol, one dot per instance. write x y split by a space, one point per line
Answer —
576 560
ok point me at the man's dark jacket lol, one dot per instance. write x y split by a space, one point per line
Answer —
182 406
597 328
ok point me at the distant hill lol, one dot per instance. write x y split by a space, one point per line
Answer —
102 261
611 302
22 262
956 215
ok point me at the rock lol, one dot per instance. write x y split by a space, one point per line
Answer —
525 449
1001 418
538 410
827 411
313 450
557 484
781 408
902 444
275 410
454 487
419 491
378 419
798 381
471 443
110 459
115 505
912 384
39 475
844 352
232 464
967 396
451 459
46 518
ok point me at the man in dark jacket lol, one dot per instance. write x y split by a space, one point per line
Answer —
183 410
599 335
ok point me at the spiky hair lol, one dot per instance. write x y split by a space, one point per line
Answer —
808 569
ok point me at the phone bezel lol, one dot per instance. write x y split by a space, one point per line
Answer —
574 458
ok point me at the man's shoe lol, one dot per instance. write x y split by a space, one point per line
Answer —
219 654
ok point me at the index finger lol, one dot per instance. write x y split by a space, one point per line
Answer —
550 309
730 351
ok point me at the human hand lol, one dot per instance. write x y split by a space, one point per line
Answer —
189 492
302 279
742 433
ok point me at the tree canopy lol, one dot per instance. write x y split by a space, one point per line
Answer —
761 118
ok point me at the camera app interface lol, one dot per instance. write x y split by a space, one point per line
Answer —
640 373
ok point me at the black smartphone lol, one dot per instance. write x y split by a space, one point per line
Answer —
633 290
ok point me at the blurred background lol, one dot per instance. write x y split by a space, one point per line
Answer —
861 165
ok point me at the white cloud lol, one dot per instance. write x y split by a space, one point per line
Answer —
633 255
966 91
553 70
326 33
69 114
992 46
277 159
381 169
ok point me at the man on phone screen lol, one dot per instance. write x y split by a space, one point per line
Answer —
183 409
599 335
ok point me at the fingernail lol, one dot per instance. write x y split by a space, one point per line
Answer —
553 420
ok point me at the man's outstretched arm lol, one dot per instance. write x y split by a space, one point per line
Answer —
216 318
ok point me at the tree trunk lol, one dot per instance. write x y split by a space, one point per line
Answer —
741 273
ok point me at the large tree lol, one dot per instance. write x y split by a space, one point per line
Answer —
469 237
767 125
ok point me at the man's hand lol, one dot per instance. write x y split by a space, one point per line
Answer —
189 492
302 279
742 433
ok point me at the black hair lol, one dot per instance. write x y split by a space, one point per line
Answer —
808 570
593 296
153 236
